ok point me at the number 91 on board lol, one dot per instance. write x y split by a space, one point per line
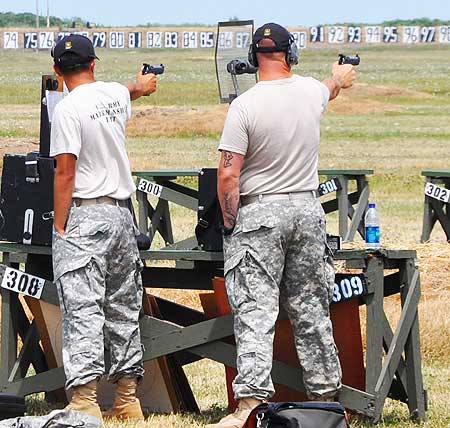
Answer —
21 282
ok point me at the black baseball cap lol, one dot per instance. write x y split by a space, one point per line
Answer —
73 50
275 32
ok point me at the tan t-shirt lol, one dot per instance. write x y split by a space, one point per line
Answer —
90 123
276 126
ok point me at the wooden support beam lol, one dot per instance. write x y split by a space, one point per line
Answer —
392 360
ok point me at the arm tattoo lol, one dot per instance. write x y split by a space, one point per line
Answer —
227 158
229 212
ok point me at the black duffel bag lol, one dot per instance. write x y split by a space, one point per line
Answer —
308 414
11 406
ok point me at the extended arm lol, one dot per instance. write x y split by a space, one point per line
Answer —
63 189
342 77
145 85
228 186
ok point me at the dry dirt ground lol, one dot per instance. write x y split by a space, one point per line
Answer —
171 121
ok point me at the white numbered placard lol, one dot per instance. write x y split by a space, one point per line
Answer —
149 187
373 34
440 193
99 39
30 40
354 35
317 34
347 287
46 39
117 39
82 33
154 39
189 40
444 34
21 282
390 34
10 40
428 34
170 39
336 34
300 39
331 185
243 40
411 34
61 35
135 39
225 40
206 39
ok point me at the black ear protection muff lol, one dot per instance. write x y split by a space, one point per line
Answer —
292 53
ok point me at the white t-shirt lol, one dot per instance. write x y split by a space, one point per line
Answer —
90 123
276 126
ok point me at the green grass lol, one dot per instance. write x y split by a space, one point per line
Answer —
395 123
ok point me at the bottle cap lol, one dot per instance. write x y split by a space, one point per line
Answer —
371 205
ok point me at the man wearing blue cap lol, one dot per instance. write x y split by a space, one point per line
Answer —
274 227
95 256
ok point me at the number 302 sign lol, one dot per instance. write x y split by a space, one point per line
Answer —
440 193
21 282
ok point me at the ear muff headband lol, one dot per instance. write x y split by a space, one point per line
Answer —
292 53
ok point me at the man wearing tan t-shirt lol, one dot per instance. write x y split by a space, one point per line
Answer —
274 227
96 261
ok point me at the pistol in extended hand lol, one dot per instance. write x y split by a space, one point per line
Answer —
155 69
347 59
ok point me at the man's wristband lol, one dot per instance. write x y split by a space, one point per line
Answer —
227 231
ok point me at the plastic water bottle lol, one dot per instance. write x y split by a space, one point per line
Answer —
372 227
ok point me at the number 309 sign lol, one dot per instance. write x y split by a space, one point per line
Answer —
21 282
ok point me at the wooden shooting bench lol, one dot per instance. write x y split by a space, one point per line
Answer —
392 358
437 202
351 206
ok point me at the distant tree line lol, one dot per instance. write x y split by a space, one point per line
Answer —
10 19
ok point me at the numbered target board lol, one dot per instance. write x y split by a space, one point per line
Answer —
149 187
347 286
21 282
117 39
373 34
154 39
10 40
195 38
189 39
336 35
206 39
411 35
390 35
300 38
436 192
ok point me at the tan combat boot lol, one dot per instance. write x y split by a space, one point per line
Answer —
84 399
240 416
126 404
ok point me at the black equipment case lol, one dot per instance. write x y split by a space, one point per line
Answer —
26 202
208 230
26 198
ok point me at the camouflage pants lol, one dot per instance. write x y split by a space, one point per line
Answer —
277 254
97 272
